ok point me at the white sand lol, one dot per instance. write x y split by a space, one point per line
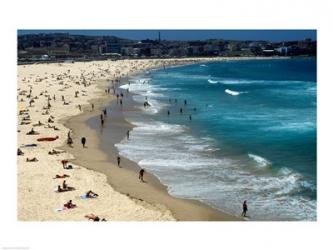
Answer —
37 199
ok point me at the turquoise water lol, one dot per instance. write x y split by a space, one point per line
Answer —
252 134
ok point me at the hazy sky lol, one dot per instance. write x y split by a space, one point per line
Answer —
271 35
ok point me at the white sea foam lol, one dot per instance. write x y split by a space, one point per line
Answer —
212 81
184 164
232 92
261 161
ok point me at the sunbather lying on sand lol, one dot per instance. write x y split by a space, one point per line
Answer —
93 217
91 194
58 176
25 123
38 124
31 159
26 118
55 152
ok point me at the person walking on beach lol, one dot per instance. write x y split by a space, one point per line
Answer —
168 112
70 141
181 110
118 160
190 117
141 172
244 208
102 122
92 106
127 133
185 102
83 141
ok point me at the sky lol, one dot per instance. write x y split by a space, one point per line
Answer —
268 35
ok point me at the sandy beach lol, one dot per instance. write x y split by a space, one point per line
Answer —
55 99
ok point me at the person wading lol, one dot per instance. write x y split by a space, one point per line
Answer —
244 208
118 160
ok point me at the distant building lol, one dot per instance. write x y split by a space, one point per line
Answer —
113 47
59 51
156 52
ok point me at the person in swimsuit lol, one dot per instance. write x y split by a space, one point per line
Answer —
244 208
141 172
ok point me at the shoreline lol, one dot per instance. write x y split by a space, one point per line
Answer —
125 179
33 176
63 79
171 58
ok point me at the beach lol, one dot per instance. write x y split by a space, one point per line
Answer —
55 99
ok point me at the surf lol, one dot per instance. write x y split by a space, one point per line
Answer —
232 92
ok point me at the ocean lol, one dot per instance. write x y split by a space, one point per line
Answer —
236 130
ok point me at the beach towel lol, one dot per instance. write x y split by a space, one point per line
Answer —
83 197
47 138
61 209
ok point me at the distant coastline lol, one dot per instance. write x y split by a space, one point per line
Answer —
55 47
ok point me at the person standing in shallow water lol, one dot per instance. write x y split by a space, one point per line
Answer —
83 141
244 208
127 133
118 160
